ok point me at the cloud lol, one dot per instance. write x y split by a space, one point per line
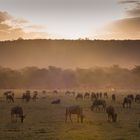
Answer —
4 16
132 6
135 11
127 28
127 1
13 28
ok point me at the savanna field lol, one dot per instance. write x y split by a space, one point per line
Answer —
46 121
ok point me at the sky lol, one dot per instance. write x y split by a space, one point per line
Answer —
69 19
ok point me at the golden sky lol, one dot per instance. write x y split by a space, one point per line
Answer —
70 19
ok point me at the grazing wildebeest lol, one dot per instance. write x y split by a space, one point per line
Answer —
55 92
131 96
105 95
73 93
58 101
137 98
9 98
77 110
97 103
112 116
34 96
7 92
67 93
44 92
93 96
26 96
113 97
100 94
70 93
79 96
86 95
17 112
97 95
127 102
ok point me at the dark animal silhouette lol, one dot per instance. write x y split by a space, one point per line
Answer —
112 116
93 96
131 96
17 112
55 92
44 92
97 104
86 95
10 98
127 102
113 97
137 98
34 96
26 96
77 110
67 93
105 95
58 101
79 96
100 94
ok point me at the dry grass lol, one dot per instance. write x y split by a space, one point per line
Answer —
46 121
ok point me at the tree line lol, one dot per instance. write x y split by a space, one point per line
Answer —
57 78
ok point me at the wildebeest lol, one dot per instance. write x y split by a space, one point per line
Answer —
105 95
44 92
7 92
100 94
86 95
127 102
77 110
93 96
97 95
113 97
17 112
112 116
67 93
131 96
34 96
26 96
70 93
137 98
97 103
58 101
55 92
79 96
9 96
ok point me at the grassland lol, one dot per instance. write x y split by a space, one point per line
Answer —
45 121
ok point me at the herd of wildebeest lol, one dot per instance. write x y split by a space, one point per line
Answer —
98 103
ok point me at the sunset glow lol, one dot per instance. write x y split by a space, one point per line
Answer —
67 19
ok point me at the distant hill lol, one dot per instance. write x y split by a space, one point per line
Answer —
69 53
